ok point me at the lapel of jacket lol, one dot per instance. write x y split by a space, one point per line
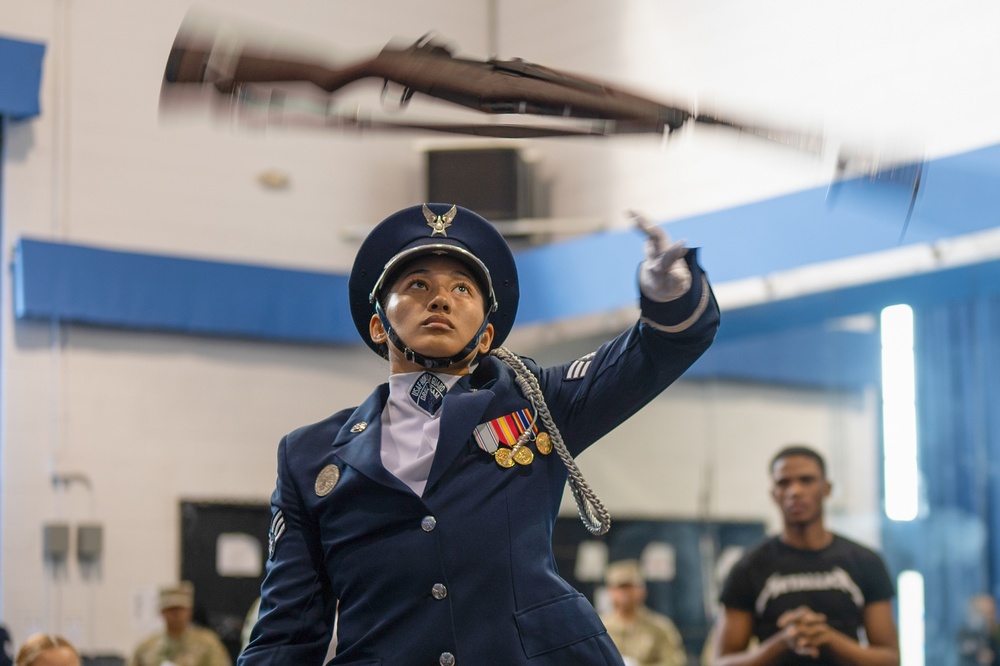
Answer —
462 410
362 450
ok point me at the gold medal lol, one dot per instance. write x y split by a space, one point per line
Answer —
326 480
522 455
544 443
503 457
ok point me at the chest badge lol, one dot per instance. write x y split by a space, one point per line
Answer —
326 480
359 427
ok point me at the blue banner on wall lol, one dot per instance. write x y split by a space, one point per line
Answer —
102 287
20 78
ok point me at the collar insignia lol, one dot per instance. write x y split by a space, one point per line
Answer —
439 223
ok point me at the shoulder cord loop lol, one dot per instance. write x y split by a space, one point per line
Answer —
595 517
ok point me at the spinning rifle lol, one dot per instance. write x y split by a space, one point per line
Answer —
569 105
489 86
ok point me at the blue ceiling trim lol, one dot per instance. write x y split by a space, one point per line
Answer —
956 284
958 195
796 341
89 285
788 341
813 356
591 275
20 78
587 276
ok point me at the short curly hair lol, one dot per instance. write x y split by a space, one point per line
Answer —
799 450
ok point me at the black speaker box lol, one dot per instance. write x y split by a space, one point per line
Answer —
494 182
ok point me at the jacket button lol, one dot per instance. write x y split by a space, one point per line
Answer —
447 659
439 591
428 523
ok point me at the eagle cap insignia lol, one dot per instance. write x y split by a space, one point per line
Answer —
439 223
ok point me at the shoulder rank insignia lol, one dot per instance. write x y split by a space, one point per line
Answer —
578 368
274 533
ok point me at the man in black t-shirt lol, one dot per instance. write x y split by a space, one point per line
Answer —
809 596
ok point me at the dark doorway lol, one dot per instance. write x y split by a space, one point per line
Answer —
223 550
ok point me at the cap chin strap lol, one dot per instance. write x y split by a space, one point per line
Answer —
429 362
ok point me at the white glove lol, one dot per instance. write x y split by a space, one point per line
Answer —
664 275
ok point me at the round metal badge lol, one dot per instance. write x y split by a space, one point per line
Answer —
522 455
503 457
544 443
326 480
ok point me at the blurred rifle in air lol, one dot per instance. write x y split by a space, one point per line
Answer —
569 105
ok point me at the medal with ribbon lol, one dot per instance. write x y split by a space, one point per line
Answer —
501 437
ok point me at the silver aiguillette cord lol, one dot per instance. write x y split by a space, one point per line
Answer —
595 517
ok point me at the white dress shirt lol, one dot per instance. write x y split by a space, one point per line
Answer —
410 434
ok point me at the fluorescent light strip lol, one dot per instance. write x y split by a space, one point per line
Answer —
899 414
911 618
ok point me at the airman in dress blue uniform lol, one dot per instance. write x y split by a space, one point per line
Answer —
427 511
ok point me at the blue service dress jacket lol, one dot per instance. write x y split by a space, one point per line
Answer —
463 575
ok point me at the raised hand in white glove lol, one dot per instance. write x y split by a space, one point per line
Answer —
664 275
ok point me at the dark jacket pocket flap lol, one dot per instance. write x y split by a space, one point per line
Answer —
557 623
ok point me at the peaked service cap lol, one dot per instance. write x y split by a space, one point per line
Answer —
435 229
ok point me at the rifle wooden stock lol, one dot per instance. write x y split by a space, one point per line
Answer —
495 87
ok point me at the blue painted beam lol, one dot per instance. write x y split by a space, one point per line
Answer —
585 276
20 77
594 274
786 341
90 285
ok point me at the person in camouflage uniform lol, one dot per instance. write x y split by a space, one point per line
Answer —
182 644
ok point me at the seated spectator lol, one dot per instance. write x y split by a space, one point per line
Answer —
6 647
248 622
182 643
46 650
979 637
643 636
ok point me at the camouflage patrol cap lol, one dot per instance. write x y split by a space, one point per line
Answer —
624 572
177 596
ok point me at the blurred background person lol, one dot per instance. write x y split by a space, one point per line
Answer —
808 595
182 643
47 650
979 637
6 647
248 622
643 636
